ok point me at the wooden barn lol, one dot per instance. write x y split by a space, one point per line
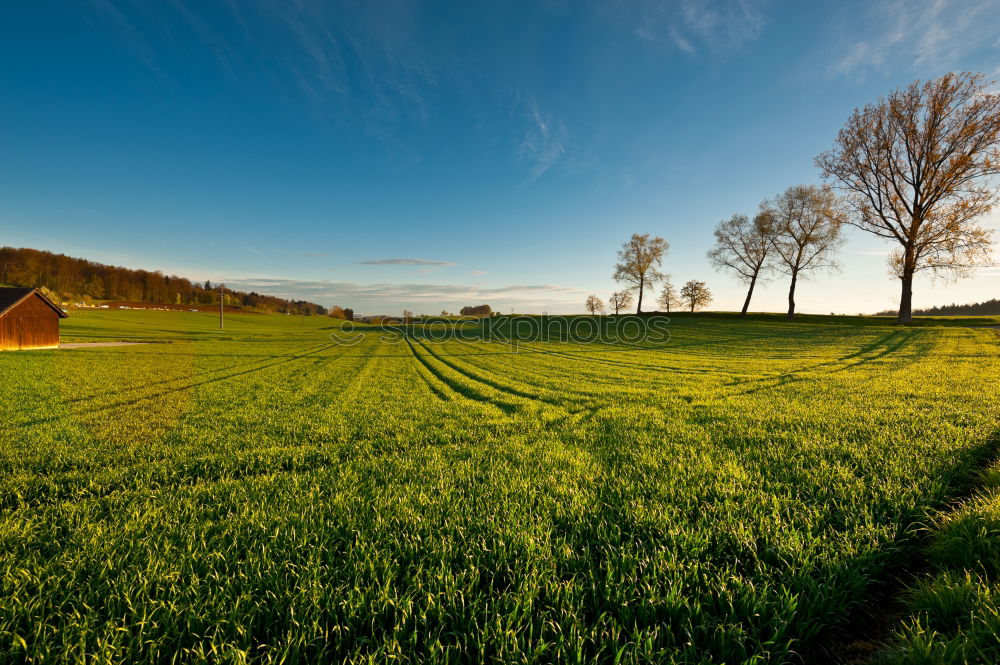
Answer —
28 320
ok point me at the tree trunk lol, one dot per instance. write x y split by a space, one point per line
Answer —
746 303
638 306
906 298
791 296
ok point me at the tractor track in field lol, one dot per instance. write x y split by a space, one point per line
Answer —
349 395
423 371
188 376
581 413
164 393
534 370
317 393
570 415
540 376
210 472
495 385
660 369
459 388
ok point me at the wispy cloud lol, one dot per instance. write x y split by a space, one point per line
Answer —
700 25
544 141
361 59
477 272
387 294
356 59
130 34
405 262
680 41
929 35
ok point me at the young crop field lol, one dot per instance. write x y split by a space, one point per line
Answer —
287 491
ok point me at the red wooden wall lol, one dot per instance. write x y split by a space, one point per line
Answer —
30 324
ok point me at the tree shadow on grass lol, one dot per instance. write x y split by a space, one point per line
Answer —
885 346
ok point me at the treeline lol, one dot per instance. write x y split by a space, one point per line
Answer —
476 310
988 308
71 279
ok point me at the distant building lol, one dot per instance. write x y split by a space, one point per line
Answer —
28 320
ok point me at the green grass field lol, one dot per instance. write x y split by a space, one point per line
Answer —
746 492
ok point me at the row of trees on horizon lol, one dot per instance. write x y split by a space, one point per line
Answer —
989 307
694 295
69 279
917 168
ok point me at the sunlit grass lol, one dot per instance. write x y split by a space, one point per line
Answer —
263 494
953 615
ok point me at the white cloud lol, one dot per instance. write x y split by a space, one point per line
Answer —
128 32
680 41
859 55
386 294
929 35
355 59
693 25
405 262
543 143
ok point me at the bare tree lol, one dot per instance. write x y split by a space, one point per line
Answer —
808 230
594 304
620 300
744 246
669 298
696 294
638 264
916 166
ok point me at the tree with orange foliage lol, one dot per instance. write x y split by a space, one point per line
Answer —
620 300
594 304
639 261
916 167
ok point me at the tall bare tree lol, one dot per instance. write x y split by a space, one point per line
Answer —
620 300
669 297
744 246
639 261
696 294
809 224
916 166
594 304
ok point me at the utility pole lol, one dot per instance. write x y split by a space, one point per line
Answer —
222 300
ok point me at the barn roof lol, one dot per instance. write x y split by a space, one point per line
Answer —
10 296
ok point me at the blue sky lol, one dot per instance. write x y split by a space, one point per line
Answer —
427 155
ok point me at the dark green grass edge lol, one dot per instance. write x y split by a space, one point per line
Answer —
939 604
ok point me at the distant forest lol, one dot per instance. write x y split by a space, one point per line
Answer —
987 308
70 279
